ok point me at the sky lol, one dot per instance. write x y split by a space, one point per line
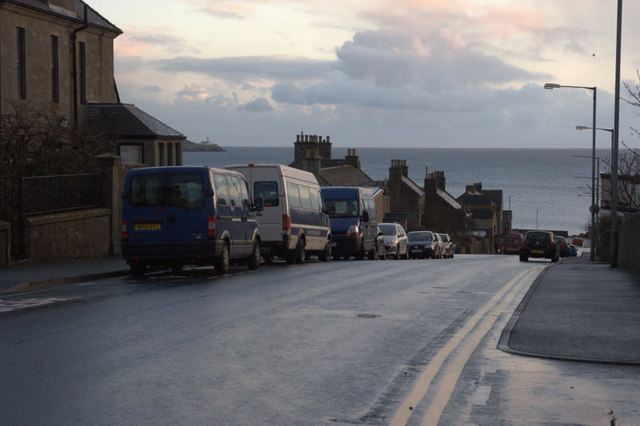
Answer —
377 73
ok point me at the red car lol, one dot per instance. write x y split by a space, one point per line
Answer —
577 242
511 243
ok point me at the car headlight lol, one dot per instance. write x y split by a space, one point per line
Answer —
353 231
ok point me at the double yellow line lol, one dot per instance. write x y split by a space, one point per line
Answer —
473 334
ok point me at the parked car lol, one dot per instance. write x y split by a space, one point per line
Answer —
353 221
175 216
565 251
423 245
539 244
293 224
395 240
380 248
450 247
511 243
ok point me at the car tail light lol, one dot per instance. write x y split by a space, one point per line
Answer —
286 222
211 226
125 230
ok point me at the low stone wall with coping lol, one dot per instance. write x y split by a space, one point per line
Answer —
68 235
628 249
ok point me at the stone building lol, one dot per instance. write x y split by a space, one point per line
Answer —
405 197
59 54
485 206
442 212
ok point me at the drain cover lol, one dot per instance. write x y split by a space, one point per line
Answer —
368 316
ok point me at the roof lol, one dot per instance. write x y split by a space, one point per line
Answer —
127 121
411 184
344 175
93 17
448 198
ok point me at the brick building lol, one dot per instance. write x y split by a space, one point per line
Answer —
59 54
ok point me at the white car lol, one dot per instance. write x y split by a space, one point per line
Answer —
396 243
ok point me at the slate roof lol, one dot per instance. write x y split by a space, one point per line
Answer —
94 18
128 122
414 187
345 175
448 198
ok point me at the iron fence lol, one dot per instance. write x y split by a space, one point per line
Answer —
51 194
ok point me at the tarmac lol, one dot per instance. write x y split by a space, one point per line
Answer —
575 310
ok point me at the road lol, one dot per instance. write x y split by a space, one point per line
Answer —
359 342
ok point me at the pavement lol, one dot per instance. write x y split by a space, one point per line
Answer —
575 310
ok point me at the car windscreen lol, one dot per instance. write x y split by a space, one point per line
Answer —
342 208
387 228
420 236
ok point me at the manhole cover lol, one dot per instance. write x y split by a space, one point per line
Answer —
368 316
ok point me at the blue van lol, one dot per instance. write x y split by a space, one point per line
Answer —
354 228
181 215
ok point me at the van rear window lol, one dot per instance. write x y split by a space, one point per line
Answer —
185 190
148 190
268 191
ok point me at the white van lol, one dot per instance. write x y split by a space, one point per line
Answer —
293 223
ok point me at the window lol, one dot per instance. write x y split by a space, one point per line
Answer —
131 154
234 191
268 191
83 73
161 154
305 197
55 71
170 154
147 191
222 196
22 63
342 208
185 191
294 195
244 194
315 199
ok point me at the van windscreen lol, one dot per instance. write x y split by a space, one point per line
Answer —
147 190
342 208
268 191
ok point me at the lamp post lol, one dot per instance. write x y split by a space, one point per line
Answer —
614 144
596 236
551 86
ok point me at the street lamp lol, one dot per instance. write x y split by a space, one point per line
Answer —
596 236
551 86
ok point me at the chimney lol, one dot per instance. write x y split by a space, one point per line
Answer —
399 167
352 158
312 161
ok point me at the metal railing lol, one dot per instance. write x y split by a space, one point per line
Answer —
51 194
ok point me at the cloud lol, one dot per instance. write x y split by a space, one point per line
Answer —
257 105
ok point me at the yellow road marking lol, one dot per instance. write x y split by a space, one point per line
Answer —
424 381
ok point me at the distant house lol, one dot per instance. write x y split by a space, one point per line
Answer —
486 211
59 54
405 197
442 212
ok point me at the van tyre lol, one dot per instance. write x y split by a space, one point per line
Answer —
138 269
222 263
325 255
300 254
254 260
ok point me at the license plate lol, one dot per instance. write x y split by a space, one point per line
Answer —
147 226
537 251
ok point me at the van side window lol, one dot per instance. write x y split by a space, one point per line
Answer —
222 196
294 195
147 190
305 197
234 191
268 191
185 190
315 199
244 193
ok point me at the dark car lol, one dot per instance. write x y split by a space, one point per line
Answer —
565 250
423 244
539 244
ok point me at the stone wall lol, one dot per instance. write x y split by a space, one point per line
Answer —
5 243
628 237
69 235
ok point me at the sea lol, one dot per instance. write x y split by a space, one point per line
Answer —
545 188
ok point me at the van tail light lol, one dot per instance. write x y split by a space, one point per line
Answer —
125 230
286 222
211 226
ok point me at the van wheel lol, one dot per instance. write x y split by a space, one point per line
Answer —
138 269
300 254
325 256
222 263
254 260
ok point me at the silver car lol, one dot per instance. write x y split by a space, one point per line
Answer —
449 246
396 242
